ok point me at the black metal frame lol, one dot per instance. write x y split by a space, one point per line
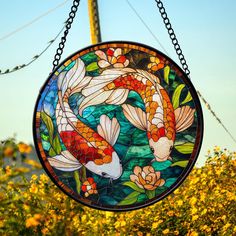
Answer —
187 169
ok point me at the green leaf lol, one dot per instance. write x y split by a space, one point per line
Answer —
83 173
170 181
89 57
48 122
172 75
92 66
77 181
176 95
44 137
187 99
185 148
130 199
56 145
180 163
161 165
52 153
134 186
166 74
150 194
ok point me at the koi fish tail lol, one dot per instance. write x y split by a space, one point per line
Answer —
69 82
73 80
65 162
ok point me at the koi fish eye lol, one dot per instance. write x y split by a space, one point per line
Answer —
152 149
104 174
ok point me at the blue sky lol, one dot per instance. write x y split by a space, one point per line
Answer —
205 30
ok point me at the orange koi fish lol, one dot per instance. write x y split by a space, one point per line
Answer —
84 146
159 120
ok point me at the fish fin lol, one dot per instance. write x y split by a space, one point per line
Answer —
115 97
109 129
135 116
184 117
94 99
65 162
154 79
74 79
107 76
118 96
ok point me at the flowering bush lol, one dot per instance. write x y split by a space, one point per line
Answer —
203 205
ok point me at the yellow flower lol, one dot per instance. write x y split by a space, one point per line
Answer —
194 210
26 207
216 149
226 226
202 197
10 185
193 200
166 231
31 222
179 202
8 151
1 223
192 233
8 170
84 218
33 163
204 211
44 178
223 217
122 223
170 213
45 231
176 232
155 225
24 148
33 188
34 177
194 217
109 214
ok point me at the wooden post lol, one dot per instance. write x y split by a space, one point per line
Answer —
95 32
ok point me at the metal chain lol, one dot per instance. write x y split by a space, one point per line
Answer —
173 37
69 22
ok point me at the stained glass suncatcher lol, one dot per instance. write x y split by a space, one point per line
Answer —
118 126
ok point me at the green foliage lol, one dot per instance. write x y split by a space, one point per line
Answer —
134 186
92 66
203 205
166 74
176 95
185 148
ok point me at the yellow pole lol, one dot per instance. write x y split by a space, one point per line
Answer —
95 32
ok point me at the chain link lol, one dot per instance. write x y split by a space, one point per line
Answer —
173 38
69 22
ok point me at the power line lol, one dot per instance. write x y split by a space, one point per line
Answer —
147 27
216 117
37 56
32 21
199 94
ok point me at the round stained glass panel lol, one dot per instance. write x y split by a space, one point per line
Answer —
118 126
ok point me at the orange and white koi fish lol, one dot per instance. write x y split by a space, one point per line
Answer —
159 120
84 145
